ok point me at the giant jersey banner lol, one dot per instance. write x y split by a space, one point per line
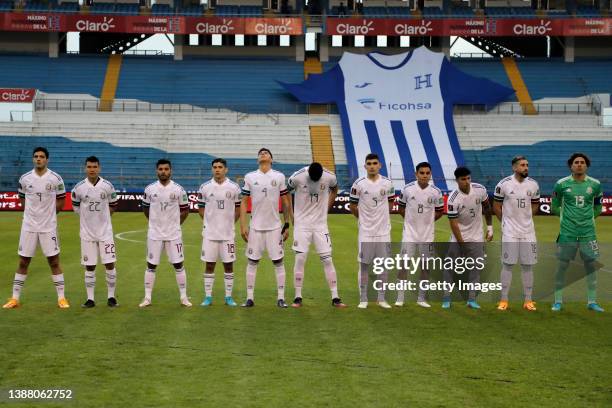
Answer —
400 107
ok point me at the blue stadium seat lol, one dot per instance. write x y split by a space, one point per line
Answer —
67 8
102 8
162 10
588 11
6 6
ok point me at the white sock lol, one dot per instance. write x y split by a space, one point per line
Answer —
18 284
298 273
228 279
330 275
149 282
58 281
90 283
251 273
280 280
181 281
209 280
111 282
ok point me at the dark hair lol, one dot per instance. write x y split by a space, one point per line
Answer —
517 159
573 157
92 159
421 165
41 149
315 171
462 171
372 156
265 149
163 161
219 160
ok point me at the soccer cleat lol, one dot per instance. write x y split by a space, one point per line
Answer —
363 305
502 305
336 302
399 304
423 304
185 302
384 304
88 304
248 303
472 304
11 304
529 305
230 302
281 303
207 301
556 307
595 307
112 302
446 304
146 302
63 303
297 302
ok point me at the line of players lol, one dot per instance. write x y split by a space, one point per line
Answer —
221 202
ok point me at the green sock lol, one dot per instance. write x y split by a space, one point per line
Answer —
560 280
591 275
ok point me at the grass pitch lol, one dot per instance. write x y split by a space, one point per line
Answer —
265 357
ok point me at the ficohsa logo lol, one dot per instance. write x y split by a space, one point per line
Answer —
361 29
225 27
406 29
95 26
285 27
15 96
529 29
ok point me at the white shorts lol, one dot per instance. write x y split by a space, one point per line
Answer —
28 241
260 241
302 240
212 251
418 249
91 249
519 250
374 247
174 251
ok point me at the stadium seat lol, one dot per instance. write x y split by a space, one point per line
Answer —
162 10
6 6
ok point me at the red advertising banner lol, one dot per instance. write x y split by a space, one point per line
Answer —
248 26
588 27
273 26
17 95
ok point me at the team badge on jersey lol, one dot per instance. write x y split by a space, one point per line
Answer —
273 183
477 201
382 192
228 194
48 187
102 196
173 196
589 190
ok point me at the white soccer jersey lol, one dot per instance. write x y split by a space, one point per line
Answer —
219 202
517 197
40 193
373 199
311 199
467 210
165 204
265 189
421 206
93 202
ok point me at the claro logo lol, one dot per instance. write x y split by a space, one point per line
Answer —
353 29
16 96
285 27
408 29
529 29
226 27
95 26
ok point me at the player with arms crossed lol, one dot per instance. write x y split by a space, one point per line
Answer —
465 208
95 200
516 201
166 206
42 195
219 207
371 201
421 204
266 187
577 200
315 192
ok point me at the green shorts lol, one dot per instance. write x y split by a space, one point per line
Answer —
567 246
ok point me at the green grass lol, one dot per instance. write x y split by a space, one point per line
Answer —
316 356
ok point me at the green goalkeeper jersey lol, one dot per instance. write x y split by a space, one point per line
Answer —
577 203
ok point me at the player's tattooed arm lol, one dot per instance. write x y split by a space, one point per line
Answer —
354 209
145 210
497 209
59 204
333 192
454 226
184 214
244 223
488 214
287 208
201 211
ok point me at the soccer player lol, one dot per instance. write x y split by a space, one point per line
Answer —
516 201
421 204
465 207
95 200
166 206
577 200
219 207
266 187
315 191
371 201
42 195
